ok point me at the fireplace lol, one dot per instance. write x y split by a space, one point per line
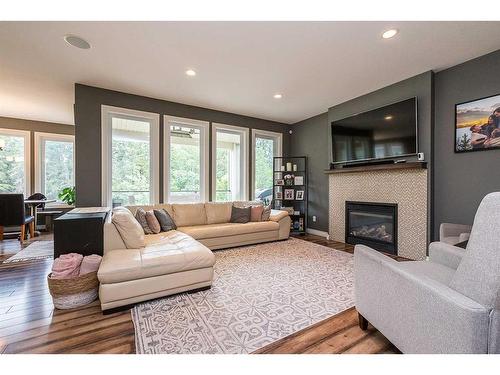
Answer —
372 224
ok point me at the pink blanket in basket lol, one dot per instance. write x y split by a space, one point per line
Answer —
90 263
67 266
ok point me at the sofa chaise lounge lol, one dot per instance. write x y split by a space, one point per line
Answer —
178 260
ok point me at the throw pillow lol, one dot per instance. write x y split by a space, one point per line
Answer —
266 214
129 228
240 215
256 213
153 223
165 220
140 216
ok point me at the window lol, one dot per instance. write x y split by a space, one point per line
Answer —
54 161
186 160
229 163
130 155
265 146
14 161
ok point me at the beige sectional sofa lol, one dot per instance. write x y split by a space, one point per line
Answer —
179 260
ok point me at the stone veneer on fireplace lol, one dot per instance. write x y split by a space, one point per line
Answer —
405 187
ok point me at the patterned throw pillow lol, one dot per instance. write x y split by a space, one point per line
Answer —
266 214
165 220
256 213
240 215
153 223
140 216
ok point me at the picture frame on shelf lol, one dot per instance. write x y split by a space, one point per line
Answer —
280 182
300 195
299 180
278 195
289 194
296 213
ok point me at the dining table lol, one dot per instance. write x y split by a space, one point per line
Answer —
33 205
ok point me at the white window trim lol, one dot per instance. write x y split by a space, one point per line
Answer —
246 133
106 138
40 156
204 127
27 155
279 152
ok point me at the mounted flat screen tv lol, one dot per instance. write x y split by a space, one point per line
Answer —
383 133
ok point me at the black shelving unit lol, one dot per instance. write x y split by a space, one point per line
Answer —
286 169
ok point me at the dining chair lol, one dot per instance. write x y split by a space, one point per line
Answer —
13 213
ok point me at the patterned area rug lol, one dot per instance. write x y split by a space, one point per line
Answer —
260 294
36 250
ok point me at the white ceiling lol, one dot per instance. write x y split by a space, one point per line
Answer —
240 65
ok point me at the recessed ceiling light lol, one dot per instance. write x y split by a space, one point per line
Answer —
190 72
77 42
277 96
389 33
388 117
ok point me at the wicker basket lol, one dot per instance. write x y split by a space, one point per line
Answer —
74 292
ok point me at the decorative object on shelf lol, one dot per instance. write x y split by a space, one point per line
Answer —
289 194
300 195
289 178
294 180
477 125
282 168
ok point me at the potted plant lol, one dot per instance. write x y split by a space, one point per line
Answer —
68 195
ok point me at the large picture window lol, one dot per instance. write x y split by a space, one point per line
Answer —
229 163
130 154
54 161
14 161
186 160
265 146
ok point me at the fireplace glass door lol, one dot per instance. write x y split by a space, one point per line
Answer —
372 224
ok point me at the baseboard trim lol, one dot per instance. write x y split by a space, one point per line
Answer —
318 232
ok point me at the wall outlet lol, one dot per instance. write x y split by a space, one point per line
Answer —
314 219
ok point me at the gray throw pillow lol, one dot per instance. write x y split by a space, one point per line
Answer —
240 215
165 220
266 214
140 216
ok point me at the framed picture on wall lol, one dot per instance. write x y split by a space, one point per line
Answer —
477 125
300 195
289 194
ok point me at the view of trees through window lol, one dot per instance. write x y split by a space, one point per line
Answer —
130 162
185 164
12 164
57 168
264 153
228 169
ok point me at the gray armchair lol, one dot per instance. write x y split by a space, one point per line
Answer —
454 233
448 304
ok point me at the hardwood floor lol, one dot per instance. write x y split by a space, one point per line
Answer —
30 324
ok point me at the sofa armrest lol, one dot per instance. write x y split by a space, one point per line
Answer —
446 254
453 230
277 215
416 313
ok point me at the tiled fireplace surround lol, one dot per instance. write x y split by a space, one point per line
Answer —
406 187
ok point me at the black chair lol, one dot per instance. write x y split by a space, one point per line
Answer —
13 213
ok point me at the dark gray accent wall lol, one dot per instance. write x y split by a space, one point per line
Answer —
88 102
462 180
312 137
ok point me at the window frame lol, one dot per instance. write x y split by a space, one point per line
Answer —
40 139
245 133
265 134
25 134
204 127
107 114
